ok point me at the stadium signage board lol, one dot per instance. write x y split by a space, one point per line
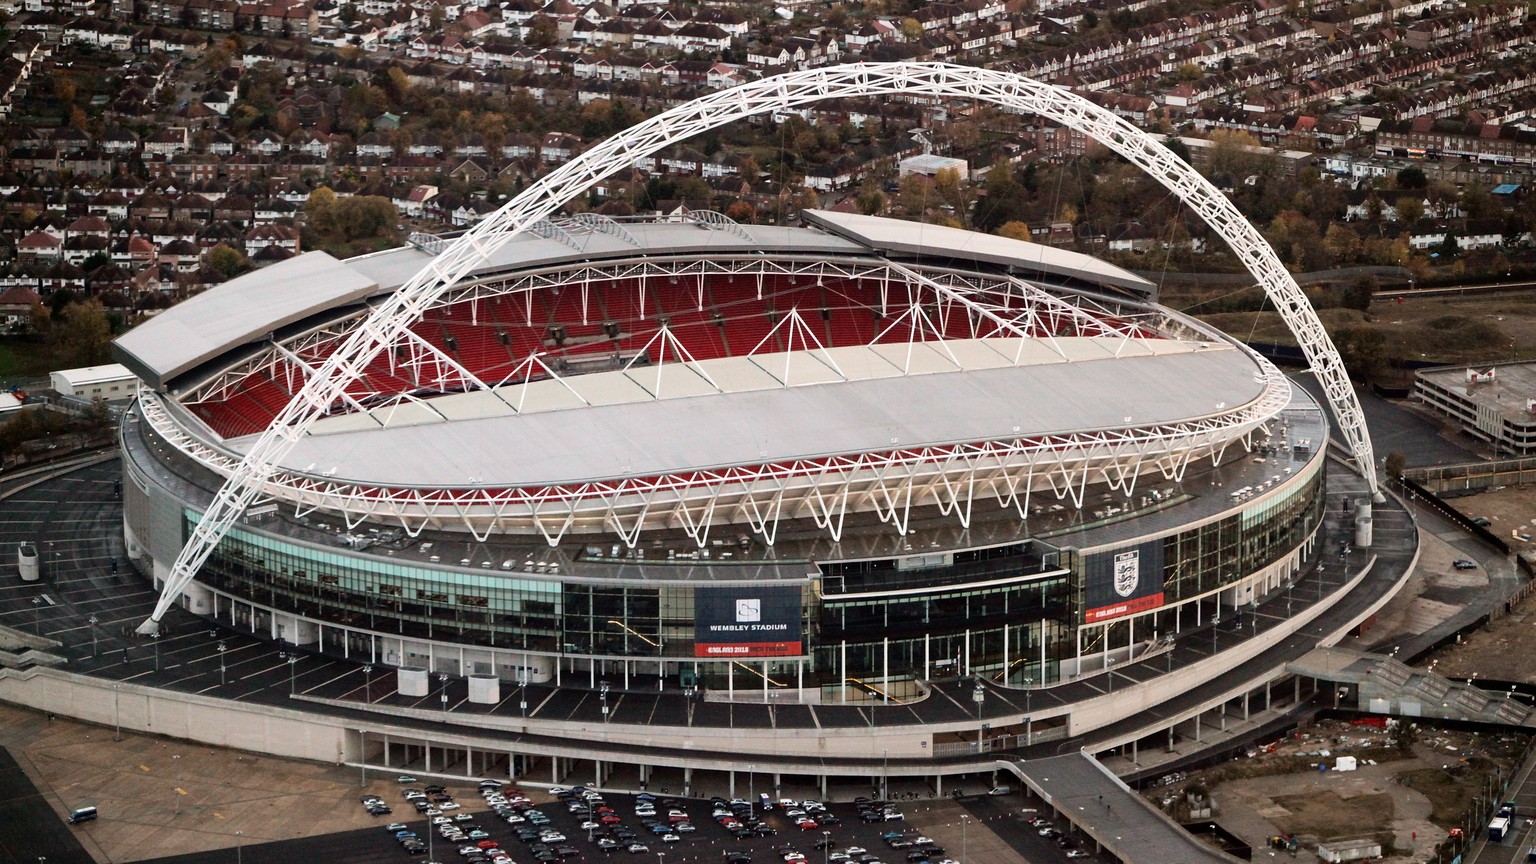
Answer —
1123 581
747 621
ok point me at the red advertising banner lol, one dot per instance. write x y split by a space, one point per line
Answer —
1129 607
747 649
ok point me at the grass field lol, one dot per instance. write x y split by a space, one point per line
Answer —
1446 330
21 358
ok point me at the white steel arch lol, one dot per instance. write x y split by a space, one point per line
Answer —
389 322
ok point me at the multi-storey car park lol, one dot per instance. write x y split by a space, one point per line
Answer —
669 465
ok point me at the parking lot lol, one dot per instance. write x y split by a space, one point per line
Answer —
674 830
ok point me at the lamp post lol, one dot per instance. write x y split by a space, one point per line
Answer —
1029 716
751 791
1109 673
37 615
1214 621
156 639
602 693
293 662
522 689
442 678
688 691
176 792
979 695
237 846
885 774
368 692
826 846
92 621
964 837
223 669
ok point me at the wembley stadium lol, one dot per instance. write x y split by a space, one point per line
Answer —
708 477
827 461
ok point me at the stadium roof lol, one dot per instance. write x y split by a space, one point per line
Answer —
920 239
627 433
244 309
248 309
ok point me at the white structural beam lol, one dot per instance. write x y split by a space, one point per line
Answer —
780 93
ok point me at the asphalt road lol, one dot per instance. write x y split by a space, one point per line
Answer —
29 830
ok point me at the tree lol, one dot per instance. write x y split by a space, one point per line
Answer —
911 29
1014 231
227 261
1411 177
1359 292
81 335
542 31
436 16
1394 464
1448 247
1410 209
1402 734
1342 243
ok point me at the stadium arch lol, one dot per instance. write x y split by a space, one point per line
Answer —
389 322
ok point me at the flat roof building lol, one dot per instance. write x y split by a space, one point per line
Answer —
1495 403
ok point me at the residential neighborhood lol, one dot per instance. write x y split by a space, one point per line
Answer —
157 147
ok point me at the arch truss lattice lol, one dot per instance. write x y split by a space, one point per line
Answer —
390 322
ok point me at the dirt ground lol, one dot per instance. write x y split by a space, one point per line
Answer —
1443 329
1502 651
1510 509
1281 790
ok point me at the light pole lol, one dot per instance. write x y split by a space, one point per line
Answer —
442 678
522 689
885 774
176 791
117 715
37 615
362 757
1109 673
156 639
293 683
602 693
1029 717
826 846
368 693
979 695
688 691
964 837
237 846
223 669
92 621
752 789
1214 621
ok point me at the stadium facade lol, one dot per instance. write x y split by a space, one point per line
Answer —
818 464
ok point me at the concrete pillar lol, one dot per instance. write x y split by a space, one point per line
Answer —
1170 738
427 757
731 785
1197 728
938 785
1133 752
1268 694
777 779
554 770
687 782
1245 705
823 778
1223 716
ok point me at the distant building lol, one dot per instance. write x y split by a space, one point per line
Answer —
1495 403
929 165
110 382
